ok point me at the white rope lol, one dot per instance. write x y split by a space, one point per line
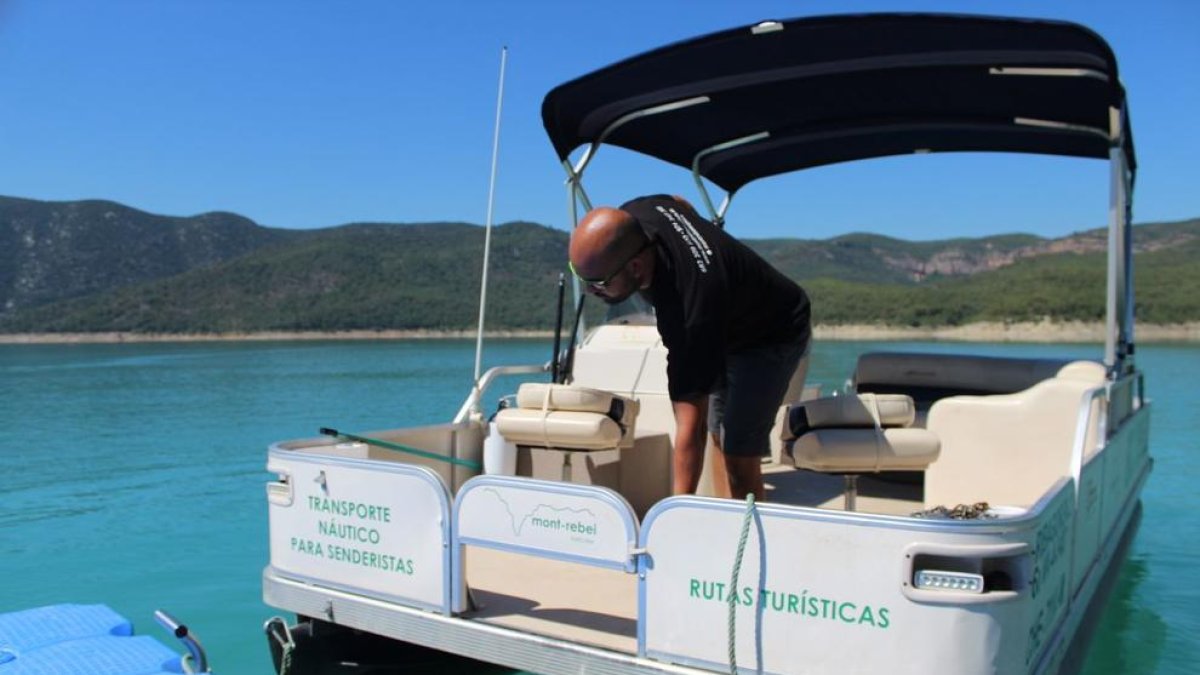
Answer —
873 408
546 415
733 590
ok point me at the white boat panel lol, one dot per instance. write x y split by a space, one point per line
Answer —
837 583
379 528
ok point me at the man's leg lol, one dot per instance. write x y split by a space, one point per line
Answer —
745 476
720 475
757 381
716 413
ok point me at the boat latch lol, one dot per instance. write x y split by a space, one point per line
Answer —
279 492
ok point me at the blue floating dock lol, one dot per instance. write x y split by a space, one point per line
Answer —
76 639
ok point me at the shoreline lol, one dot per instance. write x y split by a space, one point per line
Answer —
1032 332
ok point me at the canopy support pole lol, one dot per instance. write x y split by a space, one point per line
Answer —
1119 344
576 194
718 215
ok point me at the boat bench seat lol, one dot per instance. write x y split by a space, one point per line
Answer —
567 417
930 377
1009 449
859 434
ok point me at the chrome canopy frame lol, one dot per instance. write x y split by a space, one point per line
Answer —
1119 320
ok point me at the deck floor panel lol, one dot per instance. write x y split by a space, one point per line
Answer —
573 602
786 485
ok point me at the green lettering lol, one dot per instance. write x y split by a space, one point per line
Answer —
693 589
841 612
793 603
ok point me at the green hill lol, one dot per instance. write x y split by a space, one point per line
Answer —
353 277
56 250
98 266
1063 287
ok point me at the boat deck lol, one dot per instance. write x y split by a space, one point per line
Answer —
786 485
582 604
598 607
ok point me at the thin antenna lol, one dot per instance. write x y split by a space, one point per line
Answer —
487 237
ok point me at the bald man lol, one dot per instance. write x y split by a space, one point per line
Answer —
736 330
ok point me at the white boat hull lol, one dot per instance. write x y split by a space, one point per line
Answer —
838 586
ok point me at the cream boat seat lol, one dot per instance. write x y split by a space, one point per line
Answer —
568 417
859 433
1009 449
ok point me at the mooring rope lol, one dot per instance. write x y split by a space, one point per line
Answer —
733 586
396 447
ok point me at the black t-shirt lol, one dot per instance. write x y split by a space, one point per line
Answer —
713 295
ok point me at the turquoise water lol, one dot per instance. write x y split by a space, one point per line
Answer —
133 474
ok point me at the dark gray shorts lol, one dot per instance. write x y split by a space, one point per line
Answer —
742 411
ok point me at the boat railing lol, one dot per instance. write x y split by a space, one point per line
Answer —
1125 397
1089 429
1102 468
471 405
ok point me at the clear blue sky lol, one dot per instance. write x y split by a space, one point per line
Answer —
306 114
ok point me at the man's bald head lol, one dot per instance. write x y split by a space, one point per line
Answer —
605 237
610 251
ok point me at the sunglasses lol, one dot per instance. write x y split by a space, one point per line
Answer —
601 284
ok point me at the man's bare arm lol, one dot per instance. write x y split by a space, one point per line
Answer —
691 416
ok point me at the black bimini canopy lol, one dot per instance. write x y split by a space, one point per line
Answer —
786 95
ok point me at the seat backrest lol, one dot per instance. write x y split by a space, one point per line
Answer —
1008 449
568 417
928 377
850 410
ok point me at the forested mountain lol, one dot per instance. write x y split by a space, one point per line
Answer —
99 266
56 250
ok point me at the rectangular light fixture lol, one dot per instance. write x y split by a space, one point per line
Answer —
939 580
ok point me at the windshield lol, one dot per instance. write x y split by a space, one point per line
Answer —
635 310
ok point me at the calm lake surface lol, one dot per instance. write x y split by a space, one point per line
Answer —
133 474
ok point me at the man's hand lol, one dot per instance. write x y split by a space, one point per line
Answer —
691 416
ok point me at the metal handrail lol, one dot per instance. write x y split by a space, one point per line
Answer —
199 660
472 403
1127 392
1083 424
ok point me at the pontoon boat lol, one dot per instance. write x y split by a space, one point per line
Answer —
570 555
